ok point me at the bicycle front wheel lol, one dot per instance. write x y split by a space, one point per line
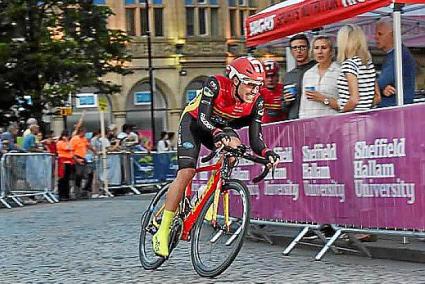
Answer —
217 241
150 222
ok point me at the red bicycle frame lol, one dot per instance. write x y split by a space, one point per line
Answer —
214 183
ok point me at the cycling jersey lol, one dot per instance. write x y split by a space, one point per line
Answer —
273 104
213 109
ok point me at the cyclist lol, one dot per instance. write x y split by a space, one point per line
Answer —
224 103
272 93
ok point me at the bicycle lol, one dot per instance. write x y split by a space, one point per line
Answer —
215 224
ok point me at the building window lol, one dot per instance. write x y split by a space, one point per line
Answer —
143 22
202 18
136 18
158 22
202 21
242 22
190 21
130 21
238 12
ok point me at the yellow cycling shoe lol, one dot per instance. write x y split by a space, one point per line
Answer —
160 244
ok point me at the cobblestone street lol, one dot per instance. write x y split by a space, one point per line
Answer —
97 242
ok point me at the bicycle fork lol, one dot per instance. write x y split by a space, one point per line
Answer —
227 220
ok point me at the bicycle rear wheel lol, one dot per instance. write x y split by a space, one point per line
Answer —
215 245
150 222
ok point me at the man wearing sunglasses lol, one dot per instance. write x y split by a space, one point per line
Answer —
299 45
223 104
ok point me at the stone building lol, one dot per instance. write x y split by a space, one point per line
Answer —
191 39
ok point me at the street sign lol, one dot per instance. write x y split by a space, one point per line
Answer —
65 111
103 104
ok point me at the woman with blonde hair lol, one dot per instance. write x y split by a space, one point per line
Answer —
357 85
320 81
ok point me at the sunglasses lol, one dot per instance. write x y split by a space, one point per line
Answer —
299 48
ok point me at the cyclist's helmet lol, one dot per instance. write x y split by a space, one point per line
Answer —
271 67
248 70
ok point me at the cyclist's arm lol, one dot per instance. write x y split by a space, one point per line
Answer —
209 92
255 132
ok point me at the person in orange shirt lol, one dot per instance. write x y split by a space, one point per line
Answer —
272 93
80 145
65 165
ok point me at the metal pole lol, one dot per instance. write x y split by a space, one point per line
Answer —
151 79
398 53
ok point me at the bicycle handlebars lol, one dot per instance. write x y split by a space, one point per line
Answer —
241 152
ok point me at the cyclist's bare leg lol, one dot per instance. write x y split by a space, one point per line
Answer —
174 195
177 188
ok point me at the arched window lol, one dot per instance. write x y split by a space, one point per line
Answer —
192 87
139 108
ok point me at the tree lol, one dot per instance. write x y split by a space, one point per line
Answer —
51 49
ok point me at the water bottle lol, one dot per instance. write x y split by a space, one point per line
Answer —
198 194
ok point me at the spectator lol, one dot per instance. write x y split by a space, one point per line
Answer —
128 137
357 85
162 145
171 142
111 135
272 93
299 45
320 81
30 121
385 41
65 165
30 144
8 139
49 143
80 145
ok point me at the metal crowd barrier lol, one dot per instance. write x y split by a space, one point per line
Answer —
133 170
118 169
27 174
153 168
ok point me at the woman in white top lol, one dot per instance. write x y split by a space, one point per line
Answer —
320 82
357 86
162 145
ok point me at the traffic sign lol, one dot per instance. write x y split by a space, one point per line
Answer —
103 104
65 111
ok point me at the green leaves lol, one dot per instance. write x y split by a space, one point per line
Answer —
50 49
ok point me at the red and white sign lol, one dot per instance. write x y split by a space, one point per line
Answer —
291 17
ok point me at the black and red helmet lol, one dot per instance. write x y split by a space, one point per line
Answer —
271 67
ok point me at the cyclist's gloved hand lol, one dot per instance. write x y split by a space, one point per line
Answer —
272 157
220 138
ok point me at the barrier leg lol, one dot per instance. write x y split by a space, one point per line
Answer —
46 195
359 244
291 246
135 190
17 200
328 245
5 203
53 197
324 240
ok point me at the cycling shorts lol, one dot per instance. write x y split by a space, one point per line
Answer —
190 138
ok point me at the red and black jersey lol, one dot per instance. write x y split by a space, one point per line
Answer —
273 110
215 108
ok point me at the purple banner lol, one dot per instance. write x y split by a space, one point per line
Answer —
361 169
